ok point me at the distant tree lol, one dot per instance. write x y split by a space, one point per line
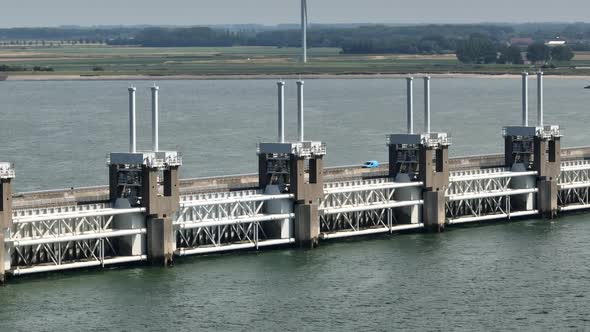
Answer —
562 53
538 52
580 46
511 54
477 49
39 68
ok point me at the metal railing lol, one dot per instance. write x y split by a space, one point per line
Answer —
68 239
487 194
353 208
574 185
209 223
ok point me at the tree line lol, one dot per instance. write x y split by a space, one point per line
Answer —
67 33
473 43
483 49
426 39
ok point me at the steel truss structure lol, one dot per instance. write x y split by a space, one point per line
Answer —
485 194
574 185
229 221
57 209
362 207
67 240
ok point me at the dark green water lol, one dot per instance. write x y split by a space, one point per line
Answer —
520 276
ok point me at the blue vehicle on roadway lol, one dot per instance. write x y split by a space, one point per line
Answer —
371 164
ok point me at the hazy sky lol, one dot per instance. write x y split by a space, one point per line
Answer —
195 12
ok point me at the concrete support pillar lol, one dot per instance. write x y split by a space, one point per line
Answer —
316 175
161 206
434 211
540 156
434 167
547 158
5 225
297 178
165 202
434 172
5 203
307 225
426 157
547 162
547 198
307 194
160 241
171 187
2 259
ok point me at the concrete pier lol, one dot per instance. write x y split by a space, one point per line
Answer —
161 241
434 211
423 158
149 180
308 193
548 164
161 204
296 168
307 226
434 173
537 149
284 165
6 176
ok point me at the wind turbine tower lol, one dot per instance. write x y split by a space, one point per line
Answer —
304 30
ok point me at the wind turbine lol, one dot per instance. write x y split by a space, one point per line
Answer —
304 30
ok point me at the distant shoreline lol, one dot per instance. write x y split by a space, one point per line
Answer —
258 77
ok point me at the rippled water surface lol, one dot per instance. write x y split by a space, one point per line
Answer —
524 275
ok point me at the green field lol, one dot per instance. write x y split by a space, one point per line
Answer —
85 60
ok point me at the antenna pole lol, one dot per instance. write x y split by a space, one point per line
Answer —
300 127
155 124
281 109
132 128
410 104
525 99
540 98
427 104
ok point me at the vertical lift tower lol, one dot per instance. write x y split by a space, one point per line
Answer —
147 179
422 157
536 148
6 176
283 165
